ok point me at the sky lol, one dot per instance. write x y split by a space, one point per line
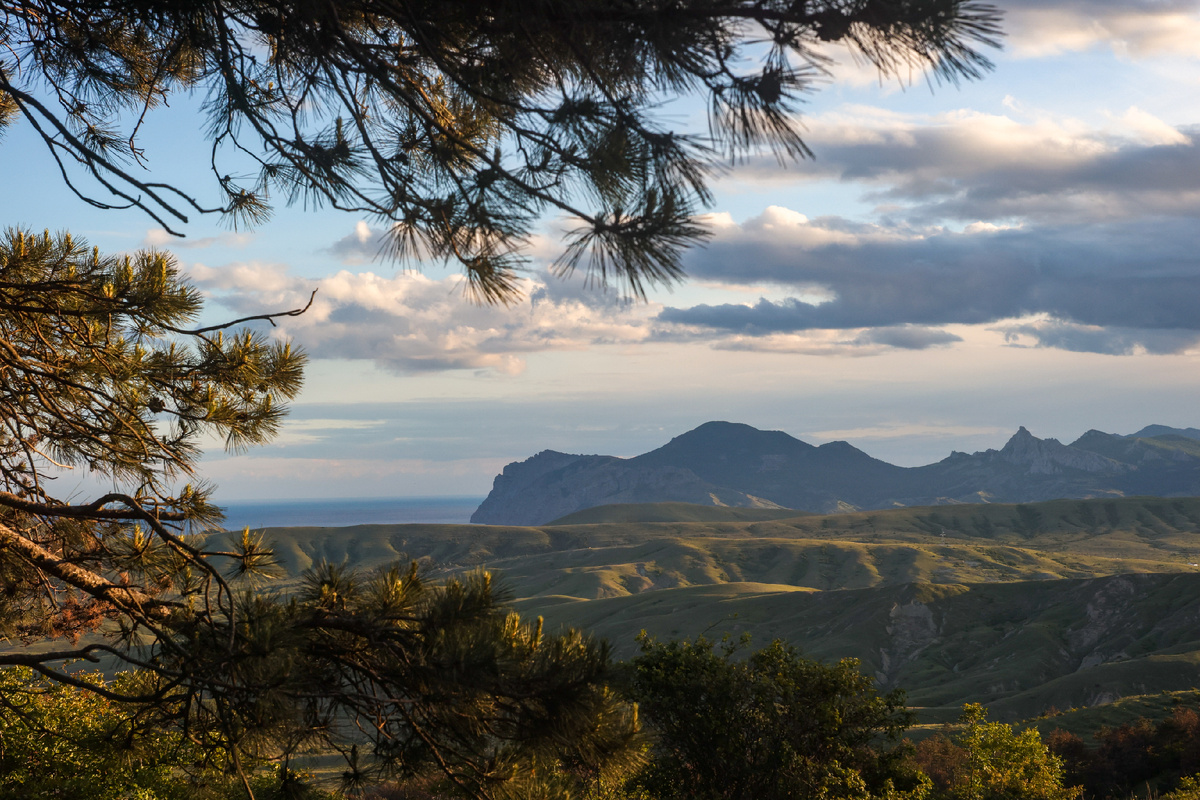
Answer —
954 262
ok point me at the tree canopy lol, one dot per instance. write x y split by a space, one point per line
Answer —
103 376
992 761
457 124
774 725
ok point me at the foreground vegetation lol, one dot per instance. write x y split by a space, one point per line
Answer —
718 720
507 708
773 725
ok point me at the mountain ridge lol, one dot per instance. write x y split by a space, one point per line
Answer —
733 464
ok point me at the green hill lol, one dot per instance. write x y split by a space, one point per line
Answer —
1021 647
939 545
1026 607
672 512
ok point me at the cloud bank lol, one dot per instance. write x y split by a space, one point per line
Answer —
978 219
1136 274
411 323
1046 231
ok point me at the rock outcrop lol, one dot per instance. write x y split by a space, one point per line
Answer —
1051 457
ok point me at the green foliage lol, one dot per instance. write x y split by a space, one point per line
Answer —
56 740
1188 789
992 761
775 725
101 373
459 125
432 681
437 682
60 741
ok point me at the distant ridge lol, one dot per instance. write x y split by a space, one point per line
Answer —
736 465
624 513
1163 430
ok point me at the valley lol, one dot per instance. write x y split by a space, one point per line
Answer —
1026 607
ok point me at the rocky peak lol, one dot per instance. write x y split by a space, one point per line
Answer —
734 464
1051 457
520 477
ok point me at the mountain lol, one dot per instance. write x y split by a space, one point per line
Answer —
551 485
731 464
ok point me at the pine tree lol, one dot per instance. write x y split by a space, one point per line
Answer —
458 125
100 373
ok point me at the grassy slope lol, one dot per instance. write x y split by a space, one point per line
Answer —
946 544
671 512
992 603
1020 647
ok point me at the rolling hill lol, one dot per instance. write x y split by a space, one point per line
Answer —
1026 607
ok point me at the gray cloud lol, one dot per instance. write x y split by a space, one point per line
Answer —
1136 274
1109 341
908 337
980 167
359 246
1133 180
1094 231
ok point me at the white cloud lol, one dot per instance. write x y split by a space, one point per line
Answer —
281 477
906 429
269 279
1132 29
1150 129
987 227
297 432
360 245
855 343
413 323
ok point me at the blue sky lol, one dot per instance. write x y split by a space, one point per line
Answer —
954 263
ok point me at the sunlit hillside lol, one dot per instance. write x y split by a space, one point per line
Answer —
1026 607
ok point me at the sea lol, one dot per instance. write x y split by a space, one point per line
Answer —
341 512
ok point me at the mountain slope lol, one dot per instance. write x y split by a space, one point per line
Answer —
1021 648
551 485
939 545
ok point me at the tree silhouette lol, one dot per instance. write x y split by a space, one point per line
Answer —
457 125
